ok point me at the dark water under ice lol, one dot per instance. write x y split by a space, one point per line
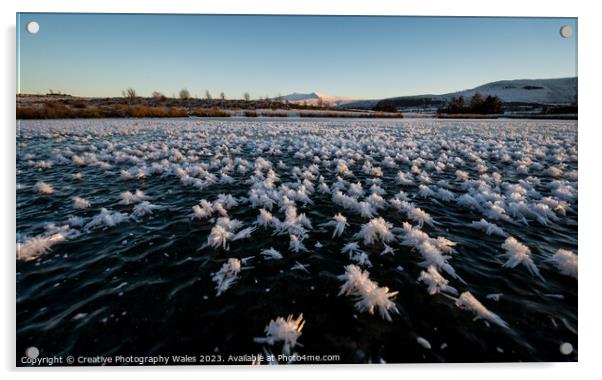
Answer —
144 287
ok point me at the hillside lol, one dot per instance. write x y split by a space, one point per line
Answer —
560 91
542 91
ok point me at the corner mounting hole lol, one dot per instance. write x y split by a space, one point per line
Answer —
566 31
33 27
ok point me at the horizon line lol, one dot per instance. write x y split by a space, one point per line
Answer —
280 95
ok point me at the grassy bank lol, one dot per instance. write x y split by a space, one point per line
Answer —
44 107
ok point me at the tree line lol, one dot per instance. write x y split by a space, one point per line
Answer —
477 104
184 94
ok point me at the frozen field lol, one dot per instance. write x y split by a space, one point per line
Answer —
385 240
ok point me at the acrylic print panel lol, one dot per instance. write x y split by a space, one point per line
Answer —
219 189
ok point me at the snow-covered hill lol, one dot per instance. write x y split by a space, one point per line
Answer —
299 97
545 91
559 91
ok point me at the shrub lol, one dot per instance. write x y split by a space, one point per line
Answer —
184 94
79 104
385 108
209 112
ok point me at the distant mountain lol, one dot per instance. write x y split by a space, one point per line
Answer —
313 98
559 91
299 97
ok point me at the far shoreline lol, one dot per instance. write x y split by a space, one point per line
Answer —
61 106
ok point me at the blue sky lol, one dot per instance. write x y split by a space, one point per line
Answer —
364 57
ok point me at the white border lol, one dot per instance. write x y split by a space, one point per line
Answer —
336 7
589 141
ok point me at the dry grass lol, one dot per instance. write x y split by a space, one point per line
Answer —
56 111
83 111
209 112
31 107
146 111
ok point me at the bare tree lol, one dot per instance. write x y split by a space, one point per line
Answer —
157 94
129 93
222 96
208 95
184 94
247 96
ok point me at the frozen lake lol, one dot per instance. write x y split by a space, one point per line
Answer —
147 237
